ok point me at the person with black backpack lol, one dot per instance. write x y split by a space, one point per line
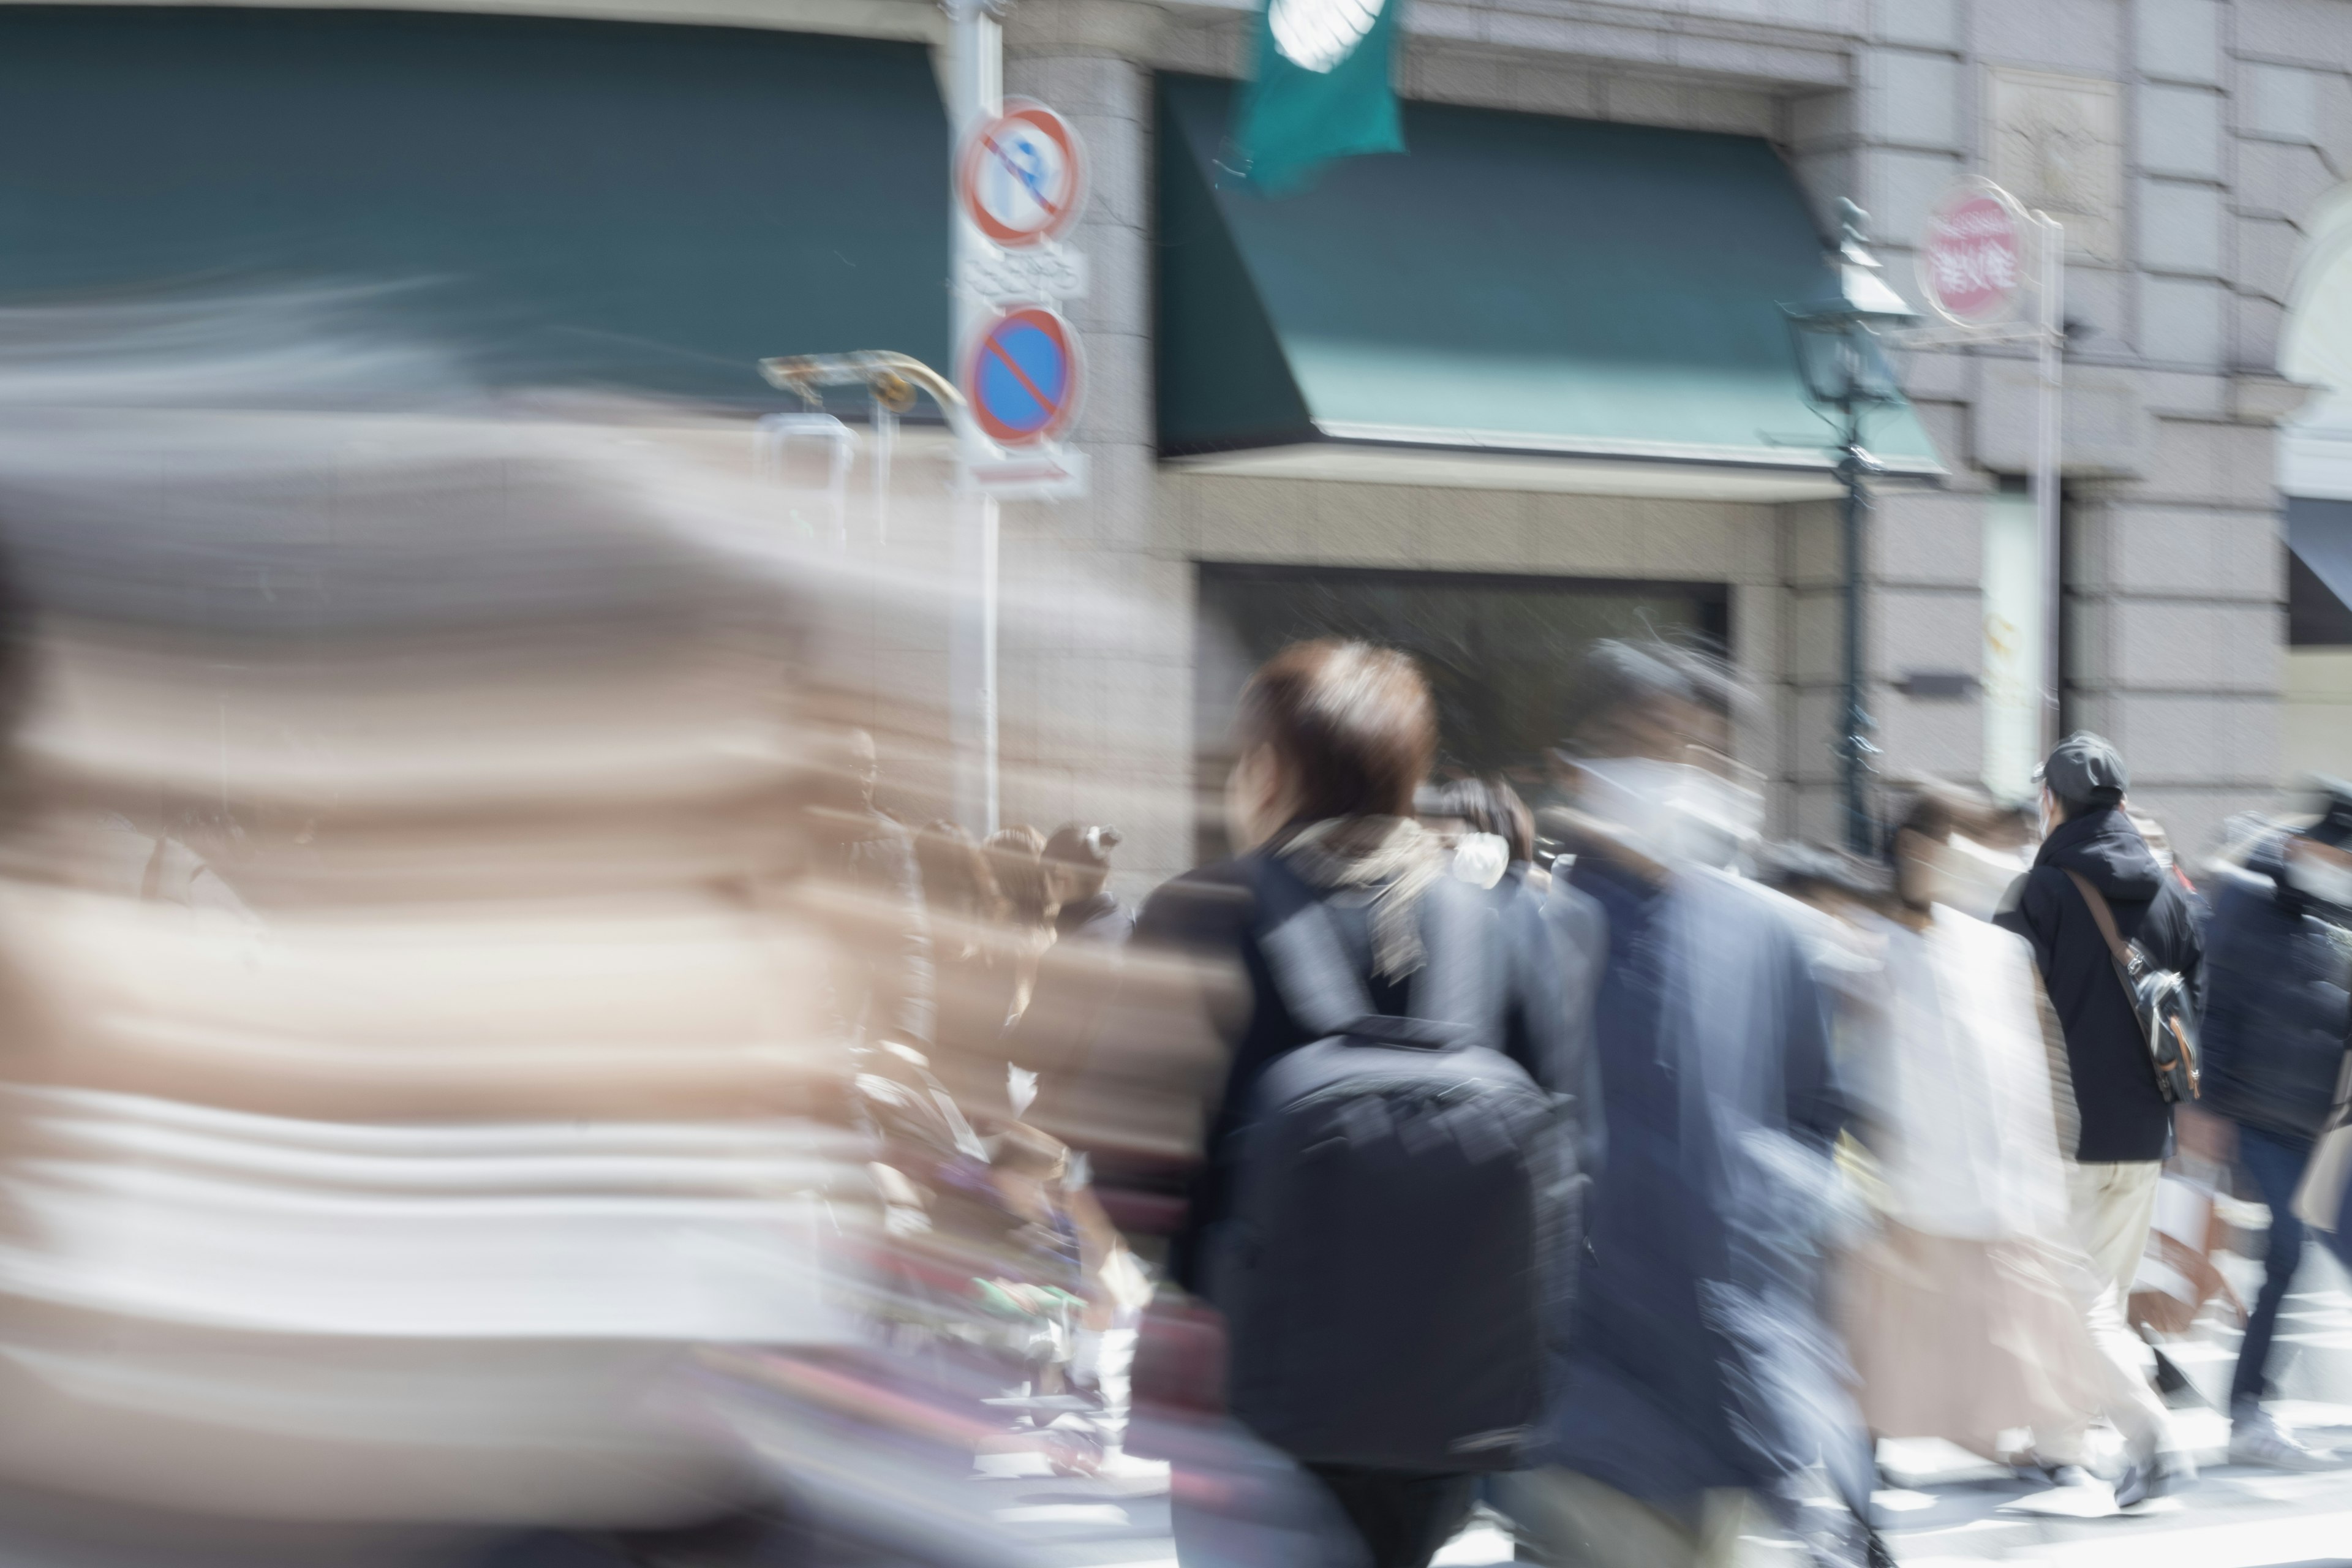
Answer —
1385 1209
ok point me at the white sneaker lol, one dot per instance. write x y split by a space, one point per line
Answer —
2257 1438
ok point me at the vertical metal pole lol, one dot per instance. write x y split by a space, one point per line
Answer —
886 449
988 602
976 89
1854 746
2045 474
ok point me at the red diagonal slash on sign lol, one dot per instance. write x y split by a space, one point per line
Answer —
1019 173
1020 376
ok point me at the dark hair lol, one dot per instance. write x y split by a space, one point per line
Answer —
954 872
1803 870
1013 857
1353 725
1488 805
1928 816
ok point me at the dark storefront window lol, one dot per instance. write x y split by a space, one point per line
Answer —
640 206
2319 572
1501 651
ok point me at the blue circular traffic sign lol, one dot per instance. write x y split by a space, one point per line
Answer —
1022 376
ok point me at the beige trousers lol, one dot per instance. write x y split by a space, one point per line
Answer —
2112 1206
1575 1521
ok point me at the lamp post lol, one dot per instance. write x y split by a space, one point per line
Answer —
1846 373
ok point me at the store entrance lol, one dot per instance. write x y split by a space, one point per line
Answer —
1501 652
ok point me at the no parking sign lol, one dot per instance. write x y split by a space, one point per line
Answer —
1022 377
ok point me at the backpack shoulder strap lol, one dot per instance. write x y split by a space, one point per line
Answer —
1320 982
1303 949
2102 915
1461 946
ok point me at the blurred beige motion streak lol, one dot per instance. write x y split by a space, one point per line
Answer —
427 1016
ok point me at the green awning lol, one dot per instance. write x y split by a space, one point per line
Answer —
648 206
1520 299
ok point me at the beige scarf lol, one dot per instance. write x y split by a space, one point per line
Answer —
1387 861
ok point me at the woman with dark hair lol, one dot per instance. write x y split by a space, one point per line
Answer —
1334 739
1492 836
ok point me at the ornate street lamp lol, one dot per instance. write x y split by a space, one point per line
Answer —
1846 374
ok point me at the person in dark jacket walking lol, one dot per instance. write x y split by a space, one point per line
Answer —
2276 1015
2124 1123
1334 738
1697 1385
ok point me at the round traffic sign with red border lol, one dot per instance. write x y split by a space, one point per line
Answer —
1022 377
1972 259
1021 177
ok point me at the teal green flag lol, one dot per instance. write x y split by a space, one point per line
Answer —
1322 90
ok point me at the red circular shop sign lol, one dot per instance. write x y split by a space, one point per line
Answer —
1972 259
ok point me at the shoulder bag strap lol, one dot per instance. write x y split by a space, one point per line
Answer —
2105 919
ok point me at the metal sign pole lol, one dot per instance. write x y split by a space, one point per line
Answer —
976 78
2053 356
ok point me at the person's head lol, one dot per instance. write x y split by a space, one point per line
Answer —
1077 860
1915 851
1325 730
1652 699
1646 754
956 878
2085 773
1829 879
2318 859
844 772
1014 861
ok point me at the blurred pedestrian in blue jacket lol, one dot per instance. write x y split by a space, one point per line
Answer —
2278 957
1698 1385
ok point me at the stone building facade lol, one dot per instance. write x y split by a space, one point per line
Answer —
2184 143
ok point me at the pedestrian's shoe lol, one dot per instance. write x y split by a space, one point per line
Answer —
2257 1438
2144 1481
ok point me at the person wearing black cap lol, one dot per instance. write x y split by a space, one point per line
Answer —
1077 868
2123 1122
2275 1021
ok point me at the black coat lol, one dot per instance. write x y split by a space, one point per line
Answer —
1101 917
2276 1011
2123 1115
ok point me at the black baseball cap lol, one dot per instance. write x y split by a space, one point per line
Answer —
2086 770
2332 799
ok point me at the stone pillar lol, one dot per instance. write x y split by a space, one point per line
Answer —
1097 633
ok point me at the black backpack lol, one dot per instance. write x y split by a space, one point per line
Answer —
1401 1191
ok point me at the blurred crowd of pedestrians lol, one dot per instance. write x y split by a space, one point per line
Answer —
1563 1148
1606 1165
